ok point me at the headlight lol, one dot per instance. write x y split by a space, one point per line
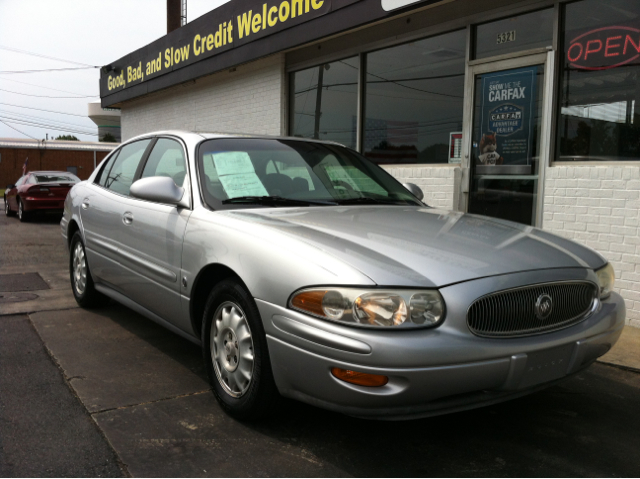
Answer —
606 278
377 308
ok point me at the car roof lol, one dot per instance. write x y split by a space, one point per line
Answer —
197 135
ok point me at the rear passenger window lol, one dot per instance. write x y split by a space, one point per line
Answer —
166 159
124 168
102 177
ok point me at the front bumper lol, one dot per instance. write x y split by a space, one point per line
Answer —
431 371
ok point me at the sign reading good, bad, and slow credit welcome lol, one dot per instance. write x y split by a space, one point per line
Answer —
224 32
247 26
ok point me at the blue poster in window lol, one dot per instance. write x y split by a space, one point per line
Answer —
506 125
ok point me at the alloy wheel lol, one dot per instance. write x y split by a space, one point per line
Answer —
232 349
20 212
79 268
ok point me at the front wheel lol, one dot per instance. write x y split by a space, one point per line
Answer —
82 285
235 353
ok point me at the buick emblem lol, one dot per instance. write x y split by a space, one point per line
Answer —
544 306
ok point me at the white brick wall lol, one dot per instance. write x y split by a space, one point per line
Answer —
437 182
599 206
248 100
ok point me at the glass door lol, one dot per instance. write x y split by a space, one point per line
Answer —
507 135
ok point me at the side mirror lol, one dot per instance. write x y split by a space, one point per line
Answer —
10 186
414 190
160 189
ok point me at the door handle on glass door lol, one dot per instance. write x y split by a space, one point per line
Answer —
127 218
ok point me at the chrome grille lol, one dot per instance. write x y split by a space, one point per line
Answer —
513 313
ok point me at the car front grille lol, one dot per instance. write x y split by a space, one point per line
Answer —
525 311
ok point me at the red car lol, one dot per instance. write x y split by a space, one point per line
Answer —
38 191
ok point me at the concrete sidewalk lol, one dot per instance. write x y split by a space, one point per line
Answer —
626 352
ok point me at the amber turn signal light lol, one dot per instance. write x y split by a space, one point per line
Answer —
361 379
310 301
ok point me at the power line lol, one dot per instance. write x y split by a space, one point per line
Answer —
39 118
24 52
45 124
21 132
40 86
46 70
48 127
48 96
40 109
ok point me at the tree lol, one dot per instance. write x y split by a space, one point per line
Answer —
67 137
109 138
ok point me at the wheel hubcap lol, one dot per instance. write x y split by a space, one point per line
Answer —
20 209
232 349
79 268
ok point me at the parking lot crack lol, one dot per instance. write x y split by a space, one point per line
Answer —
129 406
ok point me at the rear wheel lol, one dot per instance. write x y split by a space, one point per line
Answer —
235 353
22 215
7 209
82 285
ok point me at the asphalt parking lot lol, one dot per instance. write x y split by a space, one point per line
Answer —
110 393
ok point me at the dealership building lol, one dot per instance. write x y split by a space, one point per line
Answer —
521 110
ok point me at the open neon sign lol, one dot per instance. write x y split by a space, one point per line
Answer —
604 48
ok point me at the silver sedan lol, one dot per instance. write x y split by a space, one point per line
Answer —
304 270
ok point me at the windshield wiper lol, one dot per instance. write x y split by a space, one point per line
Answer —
275 201
368 200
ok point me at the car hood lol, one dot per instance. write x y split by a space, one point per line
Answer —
413 246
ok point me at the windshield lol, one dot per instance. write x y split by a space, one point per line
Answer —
269 172
55 178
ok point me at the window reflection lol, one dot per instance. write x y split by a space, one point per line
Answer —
325 100
599 115
414 100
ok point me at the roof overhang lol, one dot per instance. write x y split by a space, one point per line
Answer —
258 29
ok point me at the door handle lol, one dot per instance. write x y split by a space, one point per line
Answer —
85 204
127 218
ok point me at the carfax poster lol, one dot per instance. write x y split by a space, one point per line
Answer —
506 125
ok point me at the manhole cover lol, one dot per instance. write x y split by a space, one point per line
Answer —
16 297
22 282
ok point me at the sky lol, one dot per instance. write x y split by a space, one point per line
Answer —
87 32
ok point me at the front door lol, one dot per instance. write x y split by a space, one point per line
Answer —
507 137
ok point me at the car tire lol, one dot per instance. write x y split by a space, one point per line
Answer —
7 209
235 353
22 215
84 290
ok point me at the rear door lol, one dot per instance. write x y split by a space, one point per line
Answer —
102 210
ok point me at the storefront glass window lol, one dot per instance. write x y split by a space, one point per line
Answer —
515 34
325 102
414 100
599 116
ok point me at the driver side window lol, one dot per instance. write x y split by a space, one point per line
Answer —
166 159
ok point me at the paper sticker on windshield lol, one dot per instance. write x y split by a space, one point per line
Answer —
233 163
244 184
237 175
